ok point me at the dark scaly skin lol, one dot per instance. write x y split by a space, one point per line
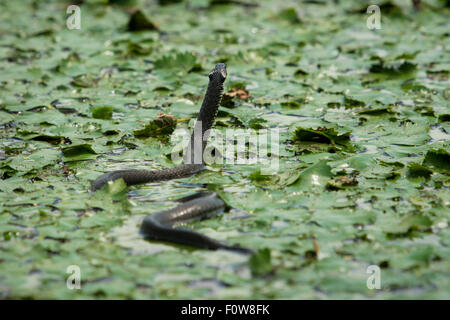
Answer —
162 225
132 177
205 120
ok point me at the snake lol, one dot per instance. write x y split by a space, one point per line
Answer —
167 225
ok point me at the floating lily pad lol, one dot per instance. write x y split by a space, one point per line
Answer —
322 139
139 22
78 152
260 262
103 112
181 61
438 159
162 127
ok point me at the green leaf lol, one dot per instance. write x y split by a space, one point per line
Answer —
290 15
183 61
161 128
260 262
139 22
103 112
438 159
408 223
320 139
256 123
313 177
416 170
78 152
116 190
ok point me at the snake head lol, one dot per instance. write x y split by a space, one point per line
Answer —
219 73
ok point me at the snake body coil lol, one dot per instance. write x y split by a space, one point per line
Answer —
163 225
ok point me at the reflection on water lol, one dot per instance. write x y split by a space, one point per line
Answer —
127 236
